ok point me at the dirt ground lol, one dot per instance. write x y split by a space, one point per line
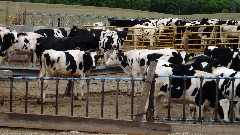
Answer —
64 105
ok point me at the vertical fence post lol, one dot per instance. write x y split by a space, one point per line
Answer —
200 100
184 98
216 102
87 96
150 114
102 98
7 13
169 97
17 14
232 96
11 92
132 97
57 83
26 96
41 79
146 89
72 87
117 93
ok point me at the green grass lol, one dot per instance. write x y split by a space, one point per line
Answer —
99 11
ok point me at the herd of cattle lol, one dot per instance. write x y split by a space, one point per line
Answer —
76 53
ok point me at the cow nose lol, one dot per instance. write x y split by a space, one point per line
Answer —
31 50
93 67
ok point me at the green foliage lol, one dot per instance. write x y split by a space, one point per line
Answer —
161 6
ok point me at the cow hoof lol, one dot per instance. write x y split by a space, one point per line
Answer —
237 119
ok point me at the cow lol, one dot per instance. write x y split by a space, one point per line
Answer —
204 63
135 62
227 57
103 40
60 32
26 41
8 39
226 86
192 89
71 63
144 33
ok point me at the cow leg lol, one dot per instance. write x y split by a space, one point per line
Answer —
75 86
82 89
237 115
192 111
45 85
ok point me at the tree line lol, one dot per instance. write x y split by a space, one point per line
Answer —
178 7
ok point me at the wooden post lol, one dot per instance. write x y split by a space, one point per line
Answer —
146 88
186 44
17 14
7 13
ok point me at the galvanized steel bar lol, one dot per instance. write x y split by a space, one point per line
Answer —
57 83
72 97
11 92
200 100
117 93
132 96
216 102
184 98
87 96
102 97
26 95
232 97
41 79
169 97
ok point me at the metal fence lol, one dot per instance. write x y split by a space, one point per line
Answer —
167 115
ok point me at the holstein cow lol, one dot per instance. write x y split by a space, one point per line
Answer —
227 57
144 33
26 42
135 62
60 32
192 89
8 39
103 40
225 85
71 63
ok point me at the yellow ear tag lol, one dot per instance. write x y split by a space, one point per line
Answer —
21 36
213 68
100 59
122 38
75 29
38 43
1 57
191 57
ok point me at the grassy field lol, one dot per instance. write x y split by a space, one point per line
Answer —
99 11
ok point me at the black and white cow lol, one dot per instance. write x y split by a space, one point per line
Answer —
71 63
104 40
227 57
225 85
192 88
135 62
59 32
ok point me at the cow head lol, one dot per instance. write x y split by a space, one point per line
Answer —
8 40
116 58
74 32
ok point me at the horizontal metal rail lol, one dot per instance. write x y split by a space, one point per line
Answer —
34 71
